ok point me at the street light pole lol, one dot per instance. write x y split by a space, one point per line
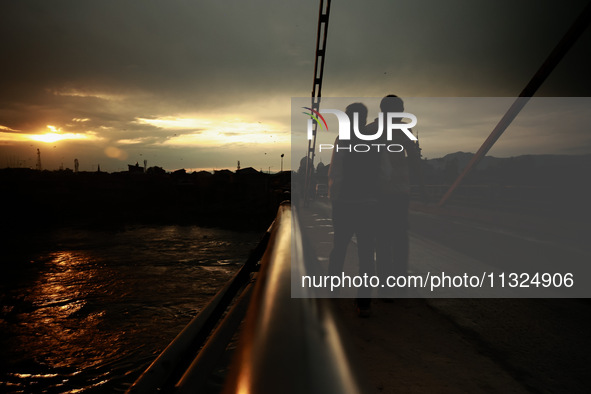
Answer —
283 154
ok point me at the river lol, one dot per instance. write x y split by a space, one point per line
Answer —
88 311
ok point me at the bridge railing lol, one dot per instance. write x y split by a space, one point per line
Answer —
290 345
286 345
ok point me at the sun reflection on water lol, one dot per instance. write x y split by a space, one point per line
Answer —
63 326
101 306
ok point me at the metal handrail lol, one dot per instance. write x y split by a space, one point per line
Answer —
171 364
289 345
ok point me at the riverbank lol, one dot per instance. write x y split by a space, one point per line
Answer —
40 201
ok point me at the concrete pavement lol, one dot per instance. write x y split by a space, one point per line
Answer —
463 344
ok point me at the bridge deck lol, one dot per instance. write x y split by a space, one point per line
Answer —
469 344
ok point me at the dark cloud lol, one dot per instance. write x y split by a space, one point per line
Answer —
173 48
213 51
452 48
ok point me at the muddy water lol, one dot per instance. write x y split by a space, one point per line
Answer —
87 311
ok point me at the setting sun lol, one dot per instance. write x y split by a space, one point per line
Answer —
56 135
53 137
48 137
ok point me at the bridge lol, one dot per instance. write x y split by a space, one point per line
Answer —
270 334
416 344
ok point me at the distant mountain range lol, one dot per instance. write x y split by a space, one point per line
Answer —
463 158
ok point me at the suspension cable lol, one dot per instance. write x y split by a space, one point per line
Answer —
570 37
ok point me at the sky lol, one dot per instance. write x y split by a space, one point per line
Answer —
205 84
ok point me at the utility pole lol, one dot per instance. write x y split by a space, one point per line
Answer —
38 165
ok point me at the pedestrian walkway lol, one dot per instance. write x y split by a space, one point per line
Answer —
419 345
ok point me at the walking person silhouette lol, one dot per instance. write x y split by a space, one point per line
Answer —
392 246
354 181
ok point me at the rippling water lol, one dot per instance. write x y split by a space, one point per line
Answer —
90 310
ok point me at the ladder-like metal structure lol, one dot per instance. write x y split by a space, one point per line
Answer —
321 36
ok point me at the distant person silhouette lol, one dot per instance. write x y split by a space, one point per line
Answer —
392 247
354 182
